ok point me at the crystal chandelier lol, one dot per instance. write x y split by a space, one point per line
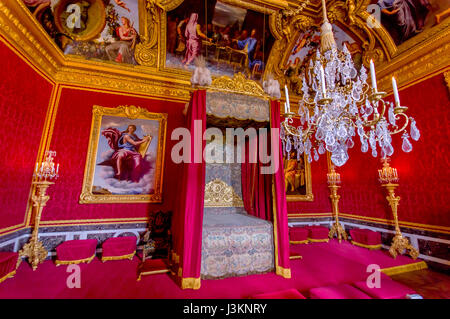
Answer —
338 104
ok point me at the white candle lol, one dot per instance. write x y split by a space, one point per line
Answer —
322 78
372 76
396 97
286 93
57 169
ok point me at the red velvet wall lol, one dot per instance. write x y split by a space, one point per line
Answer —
424 172
70 140
24 100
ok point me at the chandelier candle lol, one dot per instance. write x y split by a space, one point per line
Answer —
287 99
394 87
373 77
322 79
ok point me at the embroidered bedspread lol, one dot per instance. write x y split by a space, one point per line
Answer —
235 244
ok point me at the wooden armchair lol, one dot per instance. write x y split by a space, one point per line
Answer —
157 239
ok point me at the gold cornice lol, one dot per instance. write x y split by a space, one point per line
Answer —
124 83
21 30
410 68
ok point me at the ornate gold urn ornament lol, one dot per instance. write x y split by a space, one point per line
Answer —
388 178
34 250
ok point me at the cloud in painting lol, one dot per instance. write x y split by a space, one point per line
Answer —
144 186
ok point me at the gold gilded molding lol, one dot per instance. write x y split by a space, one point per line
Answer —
220 194
20 29
23 32
122 83
238 84
447 79
416 68
146 52
131 112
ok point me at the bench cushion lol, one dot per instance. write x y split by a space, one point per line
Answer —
76 251
318 234
116 248
298 235
366 238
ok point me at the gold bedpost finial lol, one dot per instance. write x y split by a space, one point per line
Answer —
326 36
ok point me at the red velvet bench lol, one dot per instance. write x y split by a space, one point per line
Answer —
318 234
117 248
76 251
8 265
283 294
389 289
298 235
366 238
343 291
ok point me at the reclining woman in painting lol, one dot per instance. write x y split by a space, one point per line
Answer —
128 163
122 51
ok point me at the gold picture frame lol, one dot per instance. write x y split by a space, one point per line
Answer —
157 57
308 197
125 116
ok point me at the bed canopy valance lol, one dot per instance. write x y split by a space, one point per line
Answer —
257 200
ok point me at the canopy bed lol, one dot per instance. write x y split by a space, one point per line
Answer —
231 219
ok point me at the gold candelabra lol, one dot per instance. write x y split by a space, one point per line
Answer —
334 179
388 178
34 250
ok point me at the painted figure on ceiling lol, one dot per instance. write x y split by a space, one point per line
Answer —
407 17
38 5
249 42
193 35
128 163
122 51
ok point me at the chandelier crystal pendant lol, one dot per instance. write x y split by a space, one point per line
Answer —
338 105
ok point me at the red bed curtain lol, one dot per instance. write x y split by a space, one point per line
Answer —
187 227
255 186
264 194
281 230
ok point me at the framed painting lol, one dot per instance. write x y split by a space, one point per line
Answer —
125 156
297 178
102 30
405 19
229 35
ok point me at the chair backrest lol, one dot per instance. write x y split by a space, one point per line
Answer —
159 223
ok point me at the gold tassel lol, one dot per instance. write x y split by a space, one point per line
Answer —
326 35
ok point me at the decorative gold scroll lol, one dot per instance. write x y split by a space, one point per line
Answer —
20 30
220 194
